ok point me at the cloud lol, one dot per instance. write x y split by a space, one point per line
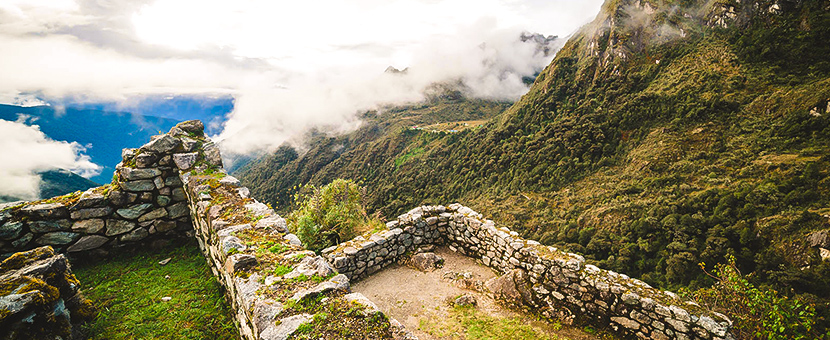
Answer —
290 66
25 150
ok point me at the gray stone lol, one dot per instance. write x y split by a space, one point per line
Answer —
179 195
120 198
195 127
90 199
189 145
23 240
46 210
163 200
153 215
87 243
819 239
284 328
273 222
310 266
127 154
293 239
173 181
265 311
57 238
145 160
362 300
626 322
138 186
212 155
465 300
162 226
47 226
339 282
237 262
185 161
133 174
85 214
230 180
232 243
10 230
136 235
162 144
134 212
158 182
116 227
427 262
178 210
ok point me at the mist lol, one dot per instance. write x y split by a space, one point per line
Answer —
25 151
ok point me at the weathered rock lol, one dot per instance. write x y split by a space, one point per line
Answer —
293 239
136 235
339 282
820 239
163 144
153 215
120 198
179 195
185 161
162 226
504 287
310 266
212 155
465 300
178 210
23 240
173 181
47 226
138 186
90 199
85 214
57 238
91 226
133 174
87 243
285 327
189 145
362 300
10 230
163 200
46 210
195 127
237 262
117 227
134 211
44 301
427 262
145 160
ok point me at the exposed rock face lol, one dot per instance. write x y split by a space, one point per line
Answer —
40 297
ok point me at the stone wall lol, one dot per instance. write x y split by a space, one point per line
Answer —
266 272
555 283
40 298
145 203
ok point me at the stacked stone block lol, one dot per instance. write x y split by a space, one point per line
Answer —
40 298
146 202
556 283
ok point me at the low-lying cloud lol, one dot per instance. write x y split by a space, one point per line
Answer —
25 151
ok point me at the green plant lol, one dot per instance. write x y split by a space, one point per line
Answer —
757 313
326 215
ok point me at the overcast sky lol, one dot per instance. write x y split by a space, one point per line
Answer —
290 65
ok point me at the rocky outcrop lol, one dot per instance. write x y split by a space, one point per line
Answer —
40 298
144 204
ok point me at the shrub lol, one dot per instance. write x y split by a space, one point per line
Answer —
756 313
325 216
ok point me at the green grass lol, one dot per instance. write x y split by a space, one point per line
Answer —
127 291
471 324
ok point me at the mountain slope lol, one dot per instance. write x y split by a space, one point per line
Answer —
663 135
56 183
106 133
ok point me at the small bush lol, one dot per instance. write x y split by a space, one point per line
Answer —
325 216
756 313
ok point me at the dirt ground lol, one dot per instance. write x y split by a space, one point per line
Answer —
411 296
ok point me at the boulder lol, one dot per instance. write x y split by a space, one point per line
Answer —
427 262
163 144
192 126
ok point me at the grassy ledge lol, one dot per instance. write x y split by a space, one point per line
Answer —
129 288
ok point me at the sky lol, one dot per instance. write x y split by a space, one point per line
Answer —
290 66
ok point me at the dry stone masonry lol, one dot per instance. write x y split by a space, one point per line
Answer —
557 283
145 203
175 186
40 298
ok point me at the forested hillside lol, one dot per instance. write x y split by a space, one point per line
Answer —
665 134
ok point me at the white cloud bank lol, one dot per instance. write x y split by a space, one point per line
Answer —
25 150
290 66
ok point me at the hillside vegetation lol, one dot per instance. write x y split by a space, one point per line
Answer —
663 136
